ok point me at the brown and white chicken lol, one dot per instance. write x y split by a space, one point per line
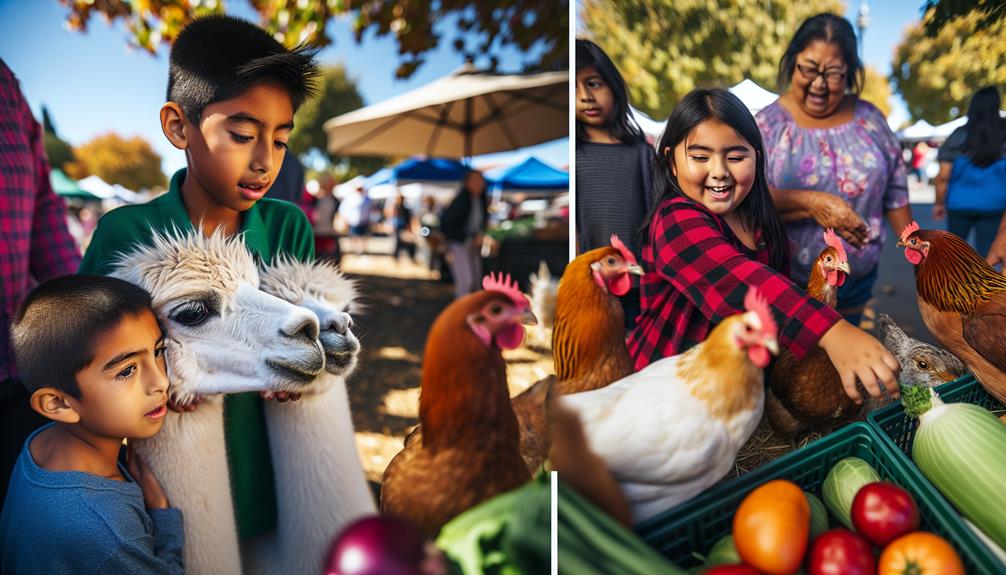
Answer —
962 300
673 429
470 445
808 393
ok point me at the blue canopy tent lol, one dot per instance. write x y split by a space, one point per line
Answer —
531 175
419 170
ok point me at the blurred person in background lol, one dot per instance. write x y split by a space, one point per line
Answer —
402 227
355 213
322 216
971 185
463 223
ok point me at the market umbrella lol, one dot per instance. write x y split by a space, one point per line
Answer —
531 174
66 187
468 113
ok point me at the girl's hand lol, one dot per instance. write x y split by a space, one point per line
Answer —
153 495
831 211
857 355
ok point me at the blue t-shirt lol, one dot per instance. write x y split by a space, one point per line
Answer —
972 188
71 522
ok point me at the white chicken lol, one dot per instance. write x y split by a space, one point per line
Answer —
544 290
673 429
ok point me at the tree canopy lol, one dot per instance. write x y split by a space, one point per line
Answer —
131 163
337 94
538 28
666 48
59 151
877 90
937 75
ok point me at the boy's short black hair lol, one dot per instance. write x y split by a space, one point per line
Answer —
217 58
56 328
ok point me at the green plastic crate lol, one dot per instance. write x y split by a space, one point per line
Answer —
697 524
893 424
898 431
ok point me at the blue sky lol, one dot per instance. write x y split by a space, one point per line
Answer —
887 22
91 83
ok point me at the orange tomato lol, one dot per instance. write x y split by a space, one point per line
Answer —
920 553
771 527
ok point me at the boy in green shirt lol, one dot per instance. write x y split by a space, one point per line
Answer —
232 94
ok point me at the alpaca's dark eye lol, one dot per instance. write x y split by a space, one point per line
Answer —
922 364
192 313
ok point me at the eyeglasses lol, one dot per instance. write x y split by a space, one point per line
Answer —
831 77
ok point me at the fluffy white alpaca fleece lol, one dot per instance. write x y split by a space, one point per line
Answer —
229 351
320 484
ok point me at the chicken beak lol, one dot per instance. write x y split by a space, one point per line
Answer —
527 318
772 345
843 267
635 269
901 244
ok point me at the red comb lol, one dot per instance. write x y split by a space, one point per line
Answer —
909 230
626 253
504 283
832 239
753 301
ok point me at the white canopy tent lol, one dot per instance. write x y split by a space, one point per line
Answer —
752 95
468 113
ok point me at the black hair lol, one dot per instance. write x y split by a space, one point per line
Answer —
833 30
986 130
217 58
757 211
621 125
56 328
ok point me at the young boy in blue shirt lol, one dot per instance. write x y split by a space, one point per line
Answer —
91 353
232 94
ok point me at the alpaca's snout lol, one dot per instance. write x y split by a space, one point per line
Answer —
302 326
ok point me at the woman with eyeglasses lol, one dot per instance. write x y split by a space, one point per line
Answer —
832 161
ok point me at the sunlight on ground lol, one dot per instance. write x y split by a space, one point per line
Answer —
376 451
402 403
396 352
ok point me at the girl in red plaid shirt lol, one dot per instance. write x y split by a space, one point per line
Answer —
715 233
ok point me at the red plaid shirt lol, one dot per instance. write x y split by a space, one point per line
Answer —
34 242
700 274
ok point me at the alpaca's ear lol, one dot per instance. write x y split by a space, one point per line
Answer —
173 125
54 404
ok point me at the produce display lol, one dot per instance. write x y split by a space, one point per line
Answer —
960 447
772 530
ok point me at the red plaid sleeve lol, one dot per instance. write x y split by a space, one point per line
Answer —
695 255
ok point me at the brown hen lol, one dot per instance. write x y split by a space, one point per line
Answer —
588 340
962 300
808 393
469 450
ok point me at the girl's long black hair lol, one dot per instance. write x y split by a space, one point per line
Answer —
621 125
986 131
757 211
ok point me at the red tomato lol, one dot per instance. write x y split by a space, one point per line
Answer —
771 527
732 570
841 552
882 512
920 553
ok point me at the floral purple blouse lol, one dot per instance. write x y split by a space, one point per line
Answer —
859 161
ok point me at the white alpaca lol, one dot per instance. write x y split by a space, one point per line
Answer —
223 336
320 484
